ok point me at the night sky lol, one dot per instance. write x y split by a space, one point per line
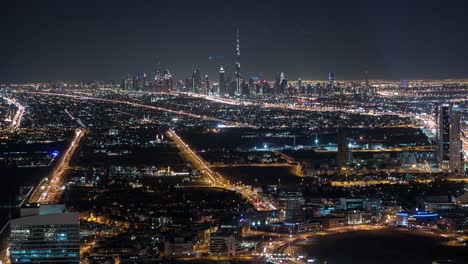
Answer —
45 40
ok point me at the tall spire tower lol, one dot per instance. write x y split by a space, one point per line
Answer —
238 74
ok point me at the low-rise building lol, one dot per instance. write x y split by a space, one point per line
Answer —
176 246
223 244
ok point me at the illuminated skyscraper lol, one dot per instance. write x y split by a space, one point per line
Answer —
366 81
331 79
128 83
276 86
168 81
449 138
238 79
299 86
196 81
145 82
158 80
222 81
252 89
283 83
206 89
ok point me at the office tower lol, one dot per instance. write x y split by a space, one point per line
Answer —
238 74
449 145
265 87
276 86
45 238
299 86
258 89
344 155
280 83
232 87
180 85
138 82
252 88
145 82
206 89
222 81
318 89
128 83
283 84
366 81
168 81
331 79
187 85
456 149
245 89
158 81
310 89
196 81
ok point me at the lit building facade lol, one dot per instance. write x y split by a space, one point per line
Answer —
223 244
450 154
51 238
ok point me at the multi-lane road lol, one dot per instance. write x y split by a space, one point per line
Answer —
16 120
50 189
216 179
157 108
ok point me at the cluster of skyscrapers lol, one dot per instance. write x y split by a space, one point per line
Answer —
236 85
163 82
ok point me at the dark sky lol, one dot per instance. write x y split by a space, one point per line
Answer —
102 39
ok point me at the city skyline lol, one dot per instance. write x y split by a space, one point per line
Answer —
236 132
106 42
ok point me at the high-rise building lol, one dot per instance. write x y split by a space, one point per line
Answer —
283 84
449 145
168 83
187 85
299 86
45 238
222 81
252 88
310 89
331 79
206 82
145 82
366 80
343 158
245 89
238 74
276 86
196 81
265 87
128 83
158 81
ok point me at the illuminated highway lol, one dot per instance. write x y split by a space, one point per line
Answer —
203 117
215 179
16 120
279 248
282 248
50 189
312 107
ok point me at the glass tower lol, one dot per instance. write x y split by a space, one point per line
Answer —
51 238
